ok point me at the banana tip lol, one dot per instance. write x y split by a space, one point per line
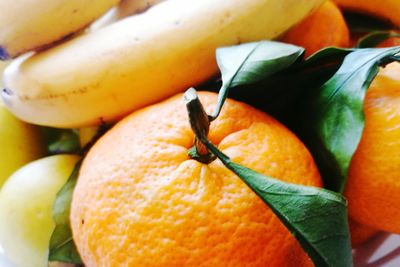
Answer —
5 95
3 54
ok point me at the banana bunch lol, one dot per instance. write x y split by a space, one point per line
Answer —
105 74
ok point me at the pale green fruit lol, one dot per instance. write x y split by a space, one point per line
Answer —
20 143
26 202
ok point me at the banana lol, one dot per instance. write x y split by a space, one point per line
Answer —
29 25
385 9
104 75
3 65
124 9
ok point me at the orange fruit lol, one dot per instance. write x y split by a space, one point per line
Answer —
373 188
141 201
388 10
360 233
325 27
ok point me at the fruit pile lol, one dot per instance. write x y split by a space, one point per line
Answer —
287 153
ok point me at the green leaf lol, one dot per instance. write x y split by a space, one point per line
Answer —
282 93
375 38
327 55
315 216
251 62
62 247
335 118
61 141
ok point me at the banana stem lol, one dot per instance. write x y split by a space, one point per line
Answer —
200 124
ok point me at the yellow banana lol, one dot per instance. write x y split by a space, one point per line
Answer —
104 75
124 9
3 65
28 25
385 9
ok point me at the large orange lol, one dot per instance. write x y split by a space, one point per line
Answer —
325 27
373 188
360 233
141 201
